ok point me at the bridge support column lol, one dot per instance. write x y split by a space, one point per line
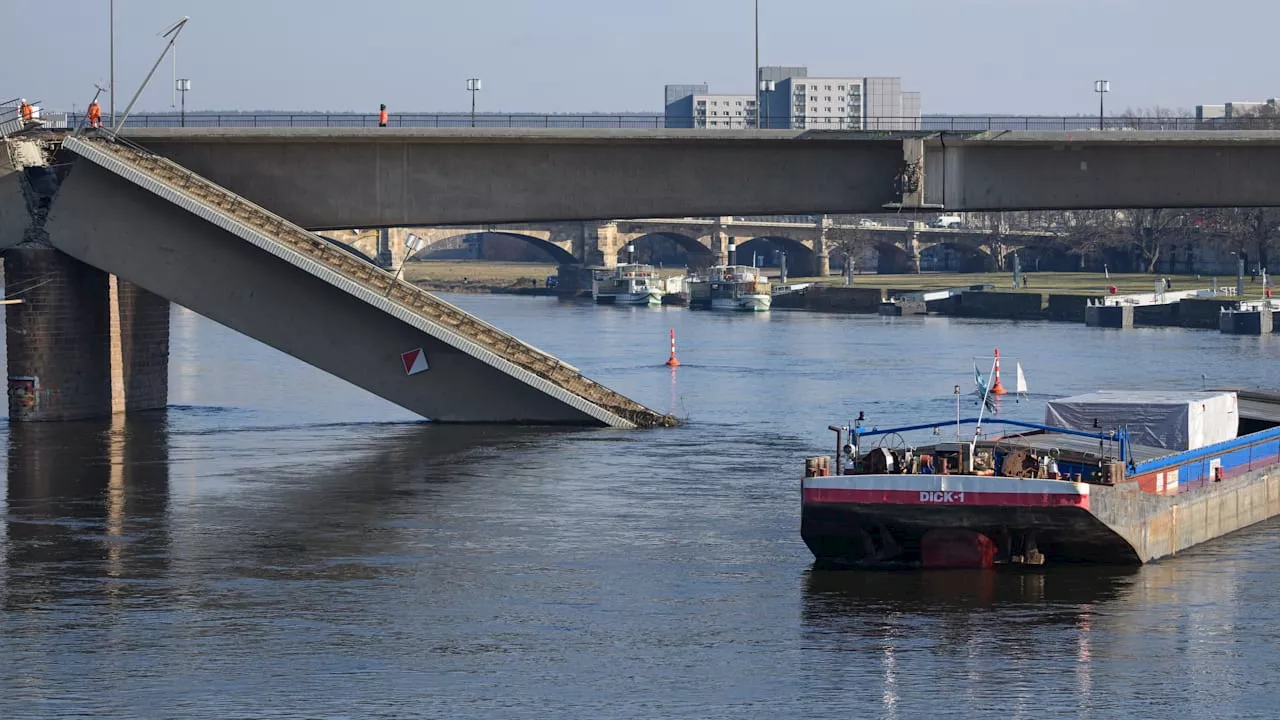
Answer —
822 248
913 248
385 257
999 251
600 246
82 343
573 279
720 240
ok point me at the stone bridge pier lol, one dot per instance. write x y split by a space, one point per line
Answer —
81 342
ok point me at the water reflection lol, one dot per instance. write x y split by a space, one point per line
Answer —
975 624
341 520
88 499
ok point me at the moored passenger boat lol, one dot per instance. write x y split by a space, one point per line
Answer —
1110 477
628 284
731 287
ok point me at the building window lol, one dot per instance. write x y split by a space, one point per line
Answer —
738 103
813 110
840 87
799 88
826 110
828 87
813 98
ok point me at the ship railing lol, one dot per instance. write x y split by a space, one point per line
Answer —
1118 435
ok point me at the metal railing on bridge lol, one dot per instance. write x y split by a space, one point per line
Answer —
938 123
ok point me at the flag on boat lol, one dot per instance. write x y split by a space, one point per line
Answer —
1021 387
977 378
414 243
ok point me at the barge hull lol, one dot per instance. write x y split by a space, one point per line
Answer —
844 521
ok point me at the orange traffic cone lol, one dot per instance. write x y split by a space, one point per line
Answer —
672 361
996 387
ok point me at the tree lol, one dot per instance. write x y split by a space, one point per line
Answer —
852 242
1088 232
1254 231
1149 231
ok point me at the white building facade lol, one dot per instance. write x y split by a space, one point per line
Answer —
724 112
789 99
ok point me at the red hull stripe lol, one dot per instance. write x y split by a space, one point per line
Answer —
944 497
944 490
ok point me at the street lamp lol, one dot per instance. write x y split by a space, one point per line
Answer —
1102 87
473 86
766 87
111 25
756 72
182 86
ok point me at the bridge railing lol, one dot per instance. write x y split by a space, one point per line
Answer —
956 123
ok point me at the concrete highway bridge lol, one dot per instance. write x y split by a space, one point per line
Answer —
809 245
100 236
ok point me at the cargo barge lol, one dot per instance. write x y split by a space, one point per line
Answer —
1110 478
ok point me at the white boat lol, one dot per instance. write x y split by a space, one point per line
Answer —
731 287
629 284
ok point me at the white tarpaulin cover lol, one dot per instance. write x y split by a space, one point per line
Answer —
1172 420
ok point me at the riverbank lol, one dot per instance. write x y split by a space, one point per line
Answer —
1060 297
478 276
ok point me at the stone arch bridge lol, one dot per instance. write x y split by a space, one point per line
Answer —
576 246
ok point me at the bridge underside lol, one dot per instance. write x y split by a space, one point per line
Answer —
385 177
1101 170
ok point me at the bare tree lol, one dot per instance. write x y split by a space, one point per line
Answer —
1149 231
1254 231
1087 232
853 242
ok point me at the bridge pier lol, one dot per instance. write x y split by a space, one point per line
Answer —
600 246
913 248
574 279
83 343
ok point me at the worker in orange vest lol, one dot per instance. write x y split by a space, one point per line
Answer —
382 116
95 115
27 111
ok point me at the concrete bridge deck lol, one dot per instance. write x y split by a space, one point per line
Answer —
186 239
398 177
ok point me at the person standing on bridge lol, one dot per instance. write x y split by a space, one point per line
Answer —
95 115
382 116
27 111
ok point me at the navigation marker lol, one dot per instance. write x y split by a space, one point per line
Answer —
415 361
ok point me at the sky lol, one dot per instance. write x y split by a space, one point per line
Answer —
1022 57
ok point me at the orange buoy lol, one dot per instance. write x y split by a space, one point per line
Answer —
996 387
672 361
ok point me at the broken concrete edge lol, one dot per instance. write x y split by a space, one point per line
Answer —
604 415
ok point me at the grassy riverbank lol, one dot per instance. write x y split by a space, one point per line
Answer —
1044 282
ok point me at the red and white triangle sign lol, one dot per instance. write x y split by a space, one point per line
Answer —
415 361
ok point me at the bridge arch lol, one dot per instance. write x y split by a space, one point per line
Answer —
667 248
800 257
557 254
956 257
349 248
890 259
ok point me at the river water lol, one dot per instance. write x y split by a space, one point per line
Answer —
280 544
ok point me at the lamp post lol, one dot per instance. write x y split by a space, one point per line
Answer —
473 86
756 71
111 25
766 88
182 86
1102 87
